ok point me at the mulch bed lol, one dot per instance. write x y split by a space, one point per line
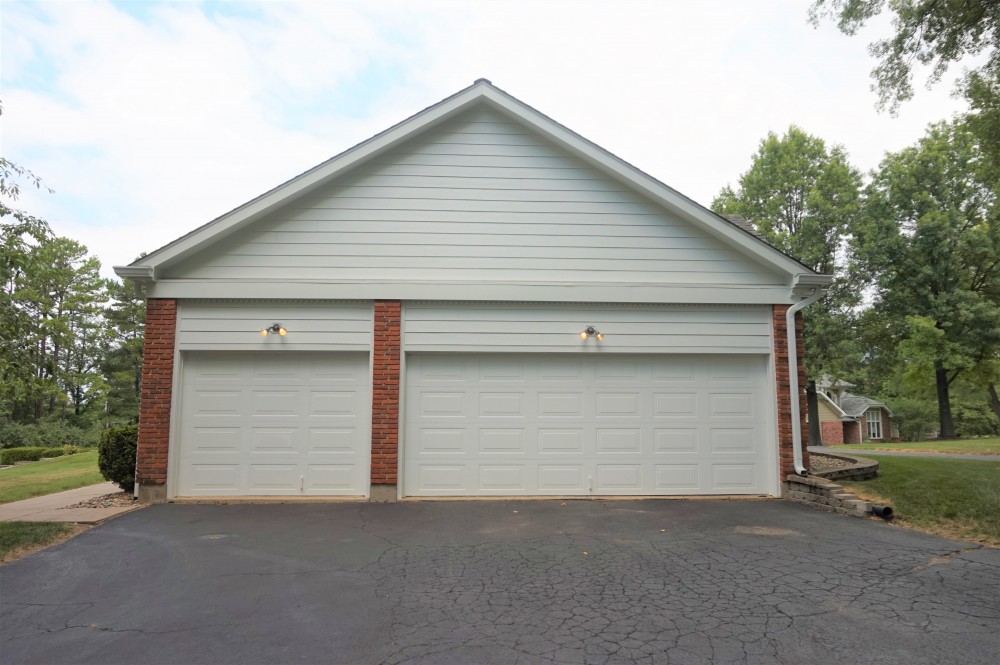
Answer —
116 500
821 462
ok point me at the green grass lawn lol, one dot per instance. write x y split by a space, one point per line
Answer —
49 476
29 535
952 497
988 446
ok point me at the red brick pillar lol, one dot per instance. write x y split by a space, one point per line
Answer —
785 448
155 397
385 400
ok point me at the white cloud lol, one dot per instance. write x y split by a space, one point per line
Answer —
151 127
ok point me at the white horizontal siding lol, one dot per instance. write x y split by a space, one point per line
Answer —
495 328
479 199
313 326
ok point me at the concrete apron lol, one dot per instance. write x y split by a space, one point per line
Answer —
53 507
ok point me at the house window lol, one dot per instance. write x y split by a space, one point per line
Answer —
874 419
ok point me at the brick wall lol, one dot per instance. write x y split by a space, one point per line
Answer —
155 394
385 393
785 449
852 432
832 432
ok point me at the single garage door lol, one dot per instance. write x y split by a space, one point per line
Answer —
587 425
285 423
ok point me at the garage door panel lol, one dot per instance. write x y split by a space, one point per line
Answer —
326 478
560 441
560 405
435 478
502 442
215 478
507 479
734 476
732 439
676 477
501 405
675 405
583 425
242 432
332 441
619 479
675 440
561 479
618 441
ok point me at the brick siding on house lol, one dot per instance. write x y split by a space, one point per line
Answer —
852 432
832 432
155 392
785 447
385 393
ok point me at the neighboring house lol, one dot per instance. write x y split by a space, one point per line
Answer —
475 302
848 418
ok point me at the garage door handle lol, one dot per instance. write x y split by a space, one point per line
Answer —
302 483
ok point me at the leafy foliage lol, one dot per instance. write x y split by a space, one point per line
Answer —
116 455
14 455
935 33
930 247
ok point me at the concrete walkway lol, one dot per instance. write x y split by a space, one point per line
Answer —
53 507
846 450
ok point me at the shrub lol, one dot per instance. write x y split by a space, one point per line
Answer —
26 454
70 450
16 435
116 455
20 435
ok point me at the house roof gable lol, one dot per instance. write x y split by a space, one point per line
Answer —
482 91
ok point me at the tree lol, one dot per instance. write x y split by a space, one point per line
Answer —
930 246
936 33
804 198
122 364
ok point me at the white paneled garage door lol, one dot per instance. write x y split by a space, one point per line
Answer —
555 424
286 423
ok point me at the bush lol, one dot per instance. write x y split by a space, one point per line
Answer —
116 455
70 450
19 435
26 454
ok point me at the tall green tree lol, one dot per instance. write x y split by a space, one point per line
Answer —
122 362
804 198
933 33
930 247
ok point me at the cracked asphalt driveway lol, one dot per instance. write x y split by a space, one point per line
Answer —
506 582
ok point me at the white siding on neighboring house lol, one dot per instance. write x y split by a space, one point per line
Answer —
312 326
493 327
478 200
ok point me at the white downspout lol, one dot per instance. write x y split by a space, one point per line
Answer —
793 376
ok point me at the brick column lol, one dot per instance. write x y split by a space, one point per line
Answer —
385 400
154 399
786 464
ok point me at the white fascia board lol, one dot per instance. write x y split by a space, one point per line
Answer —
311 179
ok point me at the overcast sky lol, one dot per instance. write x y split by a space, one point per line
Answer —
149 119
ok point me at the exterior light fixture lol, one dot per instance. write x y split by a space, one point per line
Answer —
591 331
274 328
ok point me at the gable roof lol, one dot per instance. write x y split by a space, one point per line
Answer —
857 405
735 234
834 406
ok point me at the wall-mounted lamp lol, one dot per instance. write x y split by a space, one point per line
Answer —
591 331
274 328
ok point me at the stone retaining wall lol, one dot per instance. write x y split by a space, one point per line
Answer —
825 495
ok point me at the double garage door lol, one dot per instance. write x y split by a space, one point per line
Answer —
570 424
290 423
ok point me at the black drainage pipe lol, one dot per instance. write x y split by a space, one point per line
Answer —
885 512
